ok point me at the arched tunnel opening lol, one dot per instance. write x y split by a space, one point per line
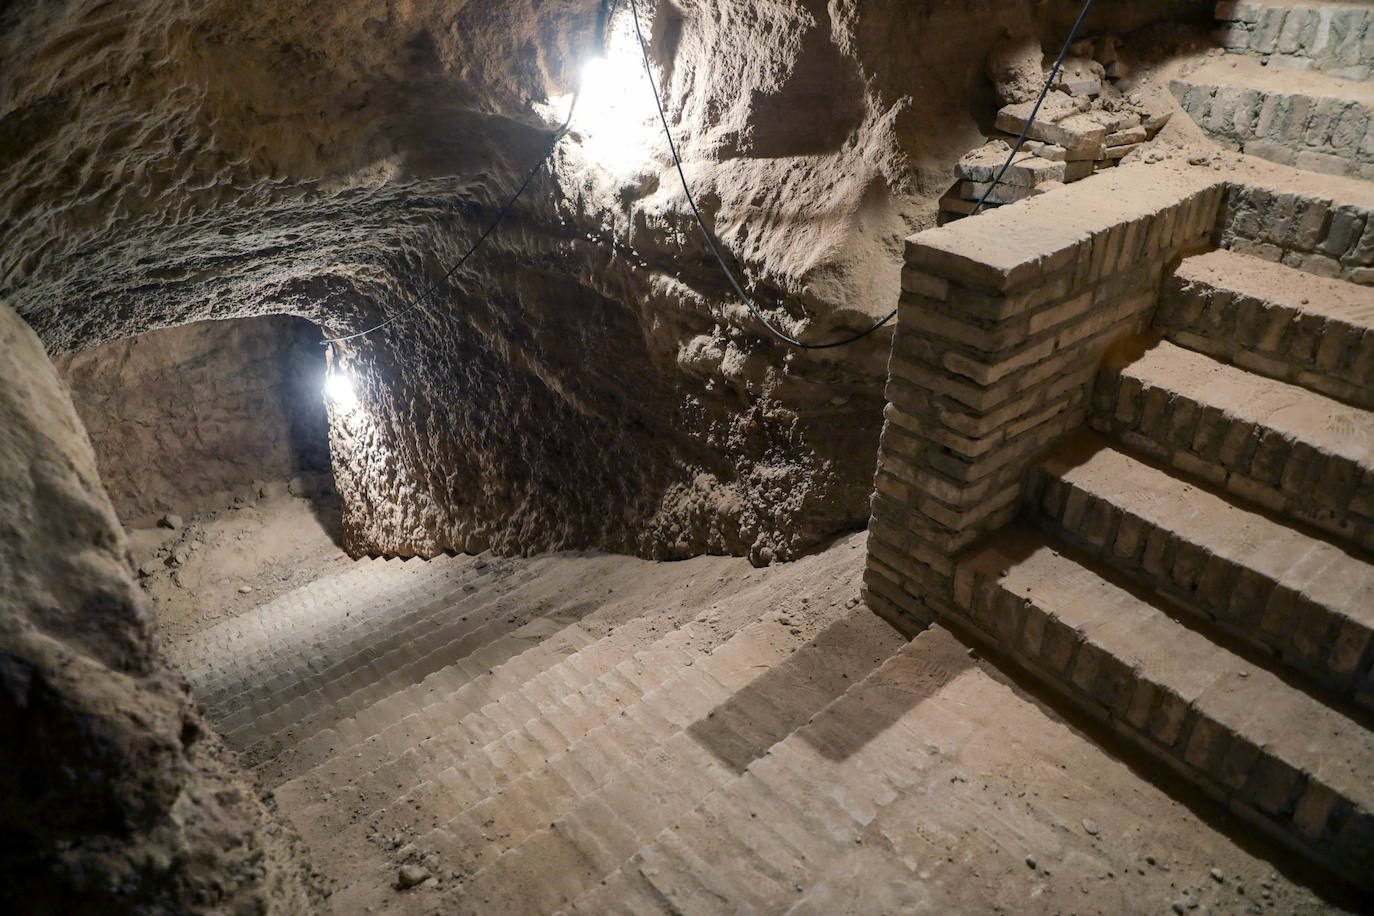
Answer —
686 456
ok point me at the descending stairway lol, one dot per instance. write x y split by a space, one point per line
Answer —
592 734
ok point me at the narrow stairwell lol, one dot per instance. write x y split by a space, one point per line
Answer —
596 734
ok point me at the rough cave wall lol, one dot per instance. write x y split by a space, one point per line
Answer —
182 417
586 380
115 798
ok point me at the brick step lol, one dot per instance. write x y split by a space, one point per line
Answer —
1274 320
313 664
330 614
429 738
1287 449
313 713
1336 38
336 621
449 639
594 832
794 818
720 712
227 647
1302 601
521 659
317 676
492 748
1306 119
1270 752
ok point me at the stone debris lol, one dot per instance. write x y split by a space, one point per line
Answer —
1084 124
409 876
170 520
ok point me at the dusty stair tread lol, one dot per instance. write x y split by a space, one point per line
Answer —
1319 570
1310 736
548 661
1290 410
1273 282
327 678
861 643
1248 73
301 616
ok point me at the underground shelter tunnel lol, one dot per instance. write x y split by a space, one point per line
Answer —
686 457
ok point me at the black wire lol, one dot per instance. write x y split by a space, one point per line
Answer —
706 233
472 249
1063 52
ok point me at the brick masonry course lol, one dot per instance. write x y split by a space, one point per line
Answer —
1284 448
1335 38
1003 321
1319 235
1274 320
1295 597
1314 122
1268 751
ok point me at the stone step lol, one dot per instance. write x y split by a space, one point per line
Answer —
1275 320
754 695
1282 447
1273 754
1301 600
1305 119
1334 37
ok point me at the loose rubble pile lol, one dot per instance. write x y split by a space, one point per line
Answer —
1087 122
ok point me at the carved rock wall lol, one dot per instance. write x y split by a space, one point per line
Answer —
183 417
116 797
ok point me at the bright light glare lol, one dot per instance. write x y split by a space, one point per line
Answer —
339 389
615 109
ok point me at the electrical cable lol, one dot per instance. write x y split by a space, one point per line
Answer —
691 200
472 249
706 233
1025 129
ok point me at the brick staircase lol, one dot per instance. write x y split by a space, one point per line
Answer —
584 734
1294 86
1196 569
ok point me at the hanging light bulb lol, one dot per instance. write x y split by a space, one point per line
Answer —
339 389
612 114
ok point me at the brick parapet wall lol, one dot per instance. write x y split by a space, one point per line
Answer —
1305 231
1337 40
1318 133
1003 322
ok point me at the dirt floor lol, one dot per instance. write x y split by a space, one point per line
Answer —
219 563
1014 809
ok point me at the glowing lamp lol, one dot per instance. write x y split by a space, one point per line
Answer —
612 114
339 389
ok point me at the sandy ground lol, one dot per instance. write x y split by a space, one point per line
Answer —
1017 809
222 562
